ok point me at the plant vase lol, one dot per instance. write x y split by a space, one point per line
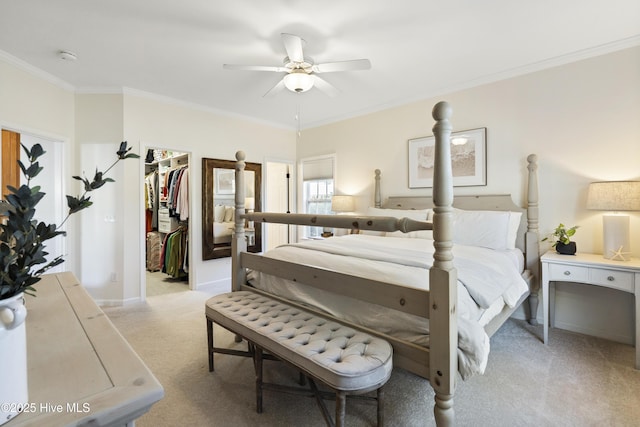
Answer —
13 354
566 249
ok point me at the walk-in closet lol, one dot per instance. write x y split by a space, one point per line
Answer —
166 198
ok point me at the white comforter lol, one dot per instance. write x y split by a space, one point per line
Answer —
484 276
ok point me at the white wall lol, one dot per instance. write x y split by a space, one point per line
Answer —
44 109
98 133
109 236
154 123
581 119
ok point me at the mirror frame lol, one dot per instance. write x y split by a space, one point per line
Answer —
210 250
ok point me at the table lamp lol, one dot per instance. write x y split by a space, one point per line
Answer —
615 196
249 206
343 204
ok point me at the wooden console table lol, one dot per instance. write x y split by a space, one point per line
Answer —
81 371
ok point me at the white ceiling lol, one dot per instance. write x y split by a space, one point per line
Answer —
418 48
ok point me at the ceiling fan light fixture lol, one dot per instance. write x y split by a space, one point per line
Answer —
298 81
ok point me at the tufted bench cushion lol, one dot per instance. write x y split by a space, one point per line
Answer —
341 357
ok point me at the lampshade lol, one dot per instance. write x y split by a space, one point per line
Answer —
343 204
298 81
249 203
614 196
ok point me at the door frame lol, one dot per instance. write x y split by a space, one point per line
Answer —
143 246
63 158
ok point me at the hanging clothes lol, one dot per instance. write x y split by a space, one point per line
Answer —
177 192
182 202
174 253
151 200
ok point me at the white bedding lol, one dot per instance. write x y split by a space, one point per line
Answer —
222 231
487 279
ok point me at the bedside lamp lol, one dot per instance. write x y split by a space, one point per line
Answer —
341 204
615 196
249 206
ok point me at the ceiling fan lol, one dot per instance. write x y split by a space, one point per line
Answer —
301 74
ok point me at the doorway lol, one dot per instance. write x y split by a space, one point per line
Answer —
52 208
279 196
166 222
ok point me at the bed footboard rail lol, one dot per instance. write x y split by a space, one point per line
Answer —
372 223
401 298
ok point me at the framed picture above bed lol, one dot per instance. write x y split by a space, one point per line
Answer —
468 159
225 181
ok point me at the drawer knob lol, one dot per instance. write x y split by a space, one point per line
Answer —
567 273
611 278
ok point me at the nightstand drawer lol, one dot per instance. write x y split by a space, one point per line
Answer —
612 279
568 273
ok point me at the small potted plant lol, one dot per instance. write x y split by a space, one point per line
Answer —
562 236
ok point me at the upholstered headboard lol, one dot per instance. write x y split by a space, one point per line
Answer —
527 239
499 202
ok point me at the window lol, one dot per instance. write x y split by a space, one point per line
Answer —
317 188
317 197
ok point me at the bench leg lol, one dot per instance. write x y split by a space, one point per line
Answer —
257 360
210 343
320 401
380 402
341 403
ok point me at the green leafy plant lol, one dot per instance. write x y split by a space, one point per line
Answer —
22 248
562 234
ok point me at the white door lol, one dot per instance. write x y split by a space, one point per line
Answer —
279 184
52 207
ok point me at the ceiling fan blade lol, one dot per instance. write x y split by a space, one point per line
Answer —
293 46
254 68
325 86
275 90
353 65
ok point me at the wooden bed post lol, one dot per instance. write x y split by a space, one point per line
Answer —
238 241
443 328
532 238
377 195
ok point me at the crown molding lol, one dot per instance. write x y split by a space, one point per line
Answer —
492 78
35 71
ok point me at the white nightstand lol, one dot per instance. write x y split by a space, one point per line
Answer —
591 269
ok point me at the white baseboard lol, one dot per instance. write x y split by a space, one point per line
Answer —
608 335
215 287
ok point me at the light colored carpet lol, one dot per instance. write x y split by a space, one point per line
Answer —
159 283
576 380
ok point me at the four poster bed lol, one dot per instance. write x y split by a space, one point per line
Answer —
403 278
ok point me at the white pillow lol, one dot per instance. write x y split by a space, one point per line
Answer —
514 224
415 214
488 229
228 213
420 234
372 233
218 213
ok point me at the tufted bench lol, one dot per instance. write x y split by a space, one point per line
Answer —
346 360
